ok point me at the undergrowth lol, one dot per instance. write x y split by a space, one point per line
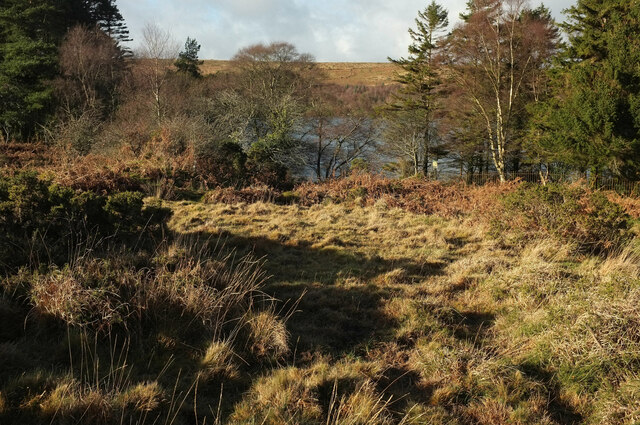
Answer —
42 222
356 301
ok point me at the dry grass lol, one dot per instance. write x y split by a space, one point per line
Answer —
74 402
119 332
341 73
268 336
396 306
413 195
218 361
489 333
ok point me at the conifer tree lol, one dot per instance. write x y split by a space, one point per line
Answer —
418 76
27 60
110 20
30 34
593 121
188 61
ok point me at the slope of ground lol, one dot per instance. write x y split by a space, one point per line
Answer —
340 73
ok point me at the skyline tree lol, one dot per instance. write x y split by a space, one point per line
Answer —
269 101
188 61
419 82
494 59
157 52
110 20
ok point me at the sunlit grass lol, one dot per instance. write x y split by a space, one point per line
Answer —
368 315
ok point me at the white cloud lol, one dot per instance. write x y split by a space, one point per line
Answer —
331 30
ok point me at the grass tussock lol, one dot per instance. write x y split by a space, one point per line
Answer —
219 361
268 336
124 335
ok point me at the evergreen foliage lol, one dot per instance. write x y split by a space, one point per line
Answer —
593 121
110 20
30 34
188 61
418 76
39 219
27 61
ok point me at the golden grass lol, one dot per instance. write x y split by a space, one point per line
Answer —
490 332
384 316
218 361
341 73
268 336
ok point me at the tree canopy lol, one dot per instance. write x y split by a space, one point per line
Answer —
30 34
188 61
593 121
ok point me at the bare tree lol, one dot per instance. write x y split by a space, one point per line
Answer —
157 53
334 142
91 66
404 138
91 70
264 108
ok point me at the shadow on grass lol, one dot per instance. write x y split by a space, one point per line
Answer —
341 310
561 411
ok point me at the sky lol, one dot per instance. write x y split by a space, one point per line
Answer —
331 30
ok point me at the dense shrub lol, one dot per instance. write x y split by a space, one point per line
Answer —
39 219
103 175
571 213
222 163
229 195
415 195
18 156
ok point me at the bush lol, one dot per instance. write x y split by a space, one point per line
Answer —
38 219
570 213
415 195
222 163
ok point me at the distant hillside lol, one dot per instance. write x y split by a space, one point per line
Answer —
343 73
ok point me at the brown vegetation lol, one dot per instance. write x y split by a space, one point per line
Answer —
339 73
434 317
398 303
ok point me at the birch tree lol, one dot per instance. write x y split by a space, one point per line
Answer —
493 56
157 54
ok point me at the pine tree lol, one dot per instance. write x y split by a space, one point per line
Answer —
110 20
27 61
188 61
418 77
593 122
